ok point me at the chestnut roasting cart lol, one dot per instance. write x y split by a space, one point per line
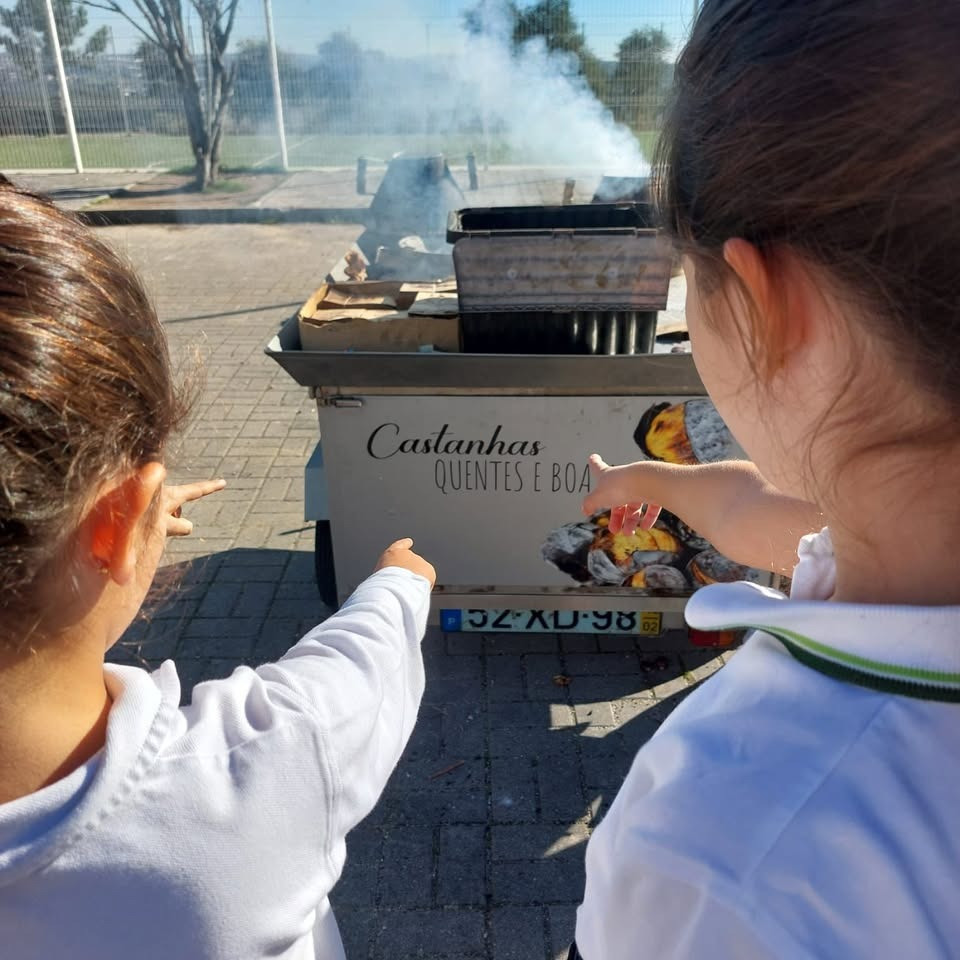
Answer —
479 452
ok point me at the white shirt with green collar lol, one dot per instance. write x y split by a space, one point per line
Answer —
805 802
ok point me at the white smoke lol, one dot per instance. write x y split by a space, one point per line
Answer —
539 103
515 105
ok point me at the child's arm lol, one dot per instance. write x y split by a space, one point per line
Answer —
361 671
730 504
339 706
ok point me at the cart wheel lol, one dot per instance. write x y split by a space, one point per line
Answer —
323 564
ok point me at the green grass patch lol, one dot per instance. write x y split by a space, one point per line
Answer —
226 186
248 170
254 154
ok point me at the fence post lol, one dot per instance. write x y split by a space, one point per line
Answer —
119 76
64 92
44 94
275 74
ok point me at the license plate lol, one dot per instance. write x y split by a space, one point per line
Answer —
551 621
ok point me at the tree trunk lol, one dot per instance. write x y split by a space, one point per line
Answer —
204 108
221 88
202 174
205 126
196 129
215 153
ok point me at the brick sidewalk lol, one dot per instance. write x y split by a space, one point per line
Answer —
476 848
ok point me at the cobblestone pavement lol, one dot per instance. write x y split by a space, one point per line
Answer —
476 848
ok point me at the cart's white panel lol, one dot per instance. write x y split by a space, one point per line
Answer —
479 482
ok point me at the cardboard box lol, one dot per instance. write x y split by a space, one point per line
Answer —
381 316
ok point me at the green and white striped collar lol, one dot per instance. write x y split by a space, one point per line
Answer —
910 651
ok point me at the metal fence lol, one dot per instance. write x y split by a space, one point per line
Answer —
345 100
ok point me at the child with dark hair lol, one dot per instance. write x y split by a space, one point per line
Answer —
129 826
803 802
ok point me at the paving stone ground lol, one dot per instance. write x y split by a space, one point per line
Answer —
476 848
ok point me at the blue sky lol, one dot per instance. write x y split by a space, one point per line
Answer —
418 27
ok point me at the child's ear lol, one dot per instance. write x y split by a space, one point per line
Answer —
778 288
115 521
748 264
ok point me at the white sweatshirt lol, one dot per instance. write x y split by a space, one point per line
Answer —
217 830
804 802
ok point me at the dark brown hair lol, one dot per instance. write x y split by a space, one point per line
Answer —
829 128
86 391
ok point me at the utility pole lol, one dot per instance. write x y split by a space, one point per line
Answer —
64 92
275 76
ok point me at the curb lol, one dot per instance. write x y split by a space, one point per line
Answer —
221 215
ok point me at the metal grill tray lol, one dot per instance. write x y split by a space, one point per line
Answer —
563 272
580 332
580 217
464 373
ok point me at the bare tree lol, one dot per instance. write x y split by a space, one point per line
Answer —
205 87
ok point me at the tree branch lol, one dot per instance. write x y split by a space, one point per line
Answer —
162 13
230 20
113 8
173 17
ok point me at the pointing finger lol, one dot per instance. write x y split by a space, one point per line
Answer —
651 516
202 488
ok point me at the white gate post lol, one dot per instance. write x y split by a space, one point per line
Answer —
64 92
275 75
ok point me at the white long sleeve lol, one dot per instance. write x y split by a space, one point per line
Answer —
217 830
357 679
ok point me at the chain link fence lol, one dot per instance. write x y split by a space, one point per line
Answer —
346 100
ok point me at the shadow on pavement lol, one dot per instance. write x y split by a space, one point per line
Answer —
77 193
243 312
211 614
521 744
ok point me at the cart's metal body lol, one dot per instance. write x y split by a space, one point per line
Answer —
478 457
